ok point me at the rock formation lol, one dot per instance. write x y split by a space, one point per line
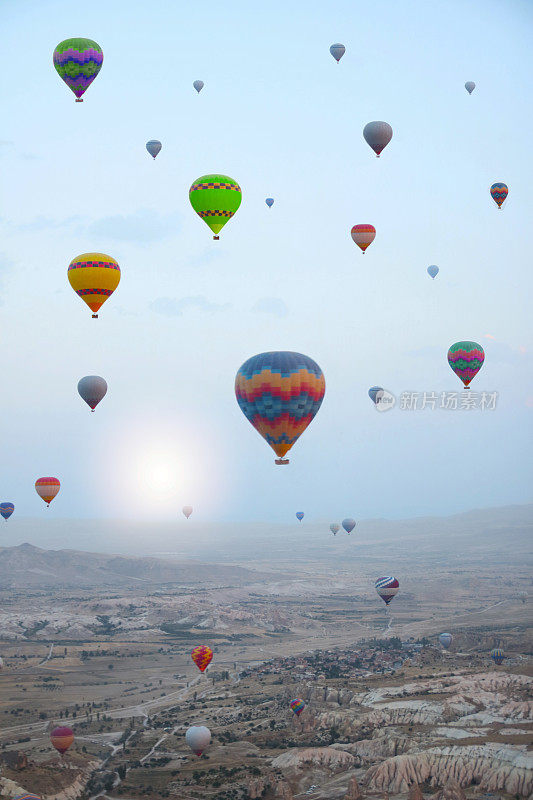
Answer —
415 792
354 792
451 791
325 757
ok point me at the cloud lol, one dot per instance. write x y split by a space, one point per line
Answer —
171 307
42 223
270 305
142 226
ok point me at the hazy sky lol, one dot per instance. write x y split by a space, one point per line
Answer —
282 118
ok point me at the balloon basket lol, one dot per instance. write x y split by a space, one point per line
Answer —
281 461
216 238
95 316
79 99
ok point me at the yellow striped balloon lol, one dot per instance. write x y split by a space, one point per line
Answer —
94 277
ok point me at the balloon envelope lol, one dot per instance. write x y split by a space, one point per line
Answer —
337 51
348 524
499 192
202 657
6 509
300 515
466 359
280 393
187 510
78 62
94 277
215 198
497 655
153 146
375 393
297 705
334 528
363 235
62 738
47 488
387 587
269 201
92 389
198 738
198 85
377 135
470 86
446 639
433 270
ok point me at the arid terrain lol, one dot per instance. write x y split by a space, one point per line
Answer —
102 643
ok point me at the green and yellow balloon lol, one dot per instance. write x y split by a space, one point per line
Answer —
215 198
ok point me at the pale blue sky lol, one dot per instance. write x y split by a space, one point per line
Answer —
281 117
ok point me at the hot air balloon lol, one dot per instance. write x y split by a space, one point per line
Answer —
377 135
299 515
202 657
92 389
198 85
215 198
78 62
470 86
62 738
363 235
466 359
348 524
279 393
198 738
433 270
154 147
375 393
187 510
269 201
47 488
497 655
94 277
386 588
499 192
446 639
334 528
6 509
297 705
337 51
523 596
27 797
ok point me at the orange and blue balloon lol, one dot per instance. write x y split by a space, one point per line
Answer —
499 192
300 515
6 509
280 393
497 656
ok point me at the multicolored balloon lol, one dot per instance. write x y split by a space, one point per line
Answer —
6 509
377 135
466 359
154 147
348 524
337 51
198 85
499 192
47 489
297 705
62 738
470 86
334 528
446 639
387 587
215 198
187 510
202 657
280 393
269 201
375 393
78 62
27 797
94 277
433 271
363 235
198 738
92 389
497 656
300 515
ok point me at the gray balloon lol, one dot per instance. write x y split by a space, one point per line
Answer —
337 51
348 524
198 85
377 135
92 389
470 86
433 270
153 147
